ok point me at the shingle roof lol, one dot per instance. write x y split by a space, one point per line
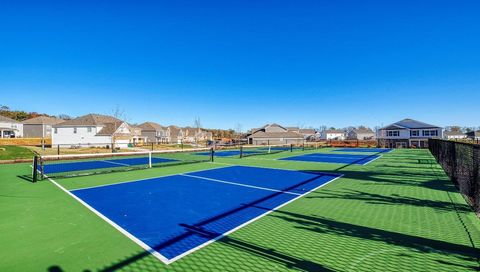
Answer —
363 131
307 131
109 129
262 134
453 133
410 124
474 133
7 120
90 120
334 131
151 126
43 120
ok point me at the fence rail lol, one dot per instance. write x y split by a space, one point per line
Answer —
461 162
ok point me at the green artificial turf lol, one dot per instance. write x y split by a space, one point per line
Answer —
8 152
398 213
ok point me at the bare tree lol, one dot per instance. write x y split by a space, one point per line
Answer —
238 131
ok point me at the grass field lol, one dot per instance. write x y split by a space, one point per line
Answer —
398 213
14 152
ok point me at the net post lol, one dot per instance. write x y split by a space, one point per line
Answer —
212 154
291 147
58 149
241 151
149 159
35 166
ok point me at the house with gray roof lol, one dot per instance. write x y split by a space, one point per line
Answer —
408 133
39 127
10 128
362 134
93 130
273 134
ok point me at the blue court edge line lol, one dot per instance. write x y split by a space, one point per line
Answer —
189 239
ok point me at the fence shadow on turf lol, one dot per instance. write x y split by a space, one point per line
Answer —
415 243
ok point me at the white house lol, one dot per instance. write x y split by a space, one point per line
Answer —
93 130
408 133
332 134
454 135
10 128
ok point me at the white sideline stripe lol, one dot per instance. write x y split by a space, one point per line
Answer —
112 162
248 222
373 160
136 180
239 184
113 224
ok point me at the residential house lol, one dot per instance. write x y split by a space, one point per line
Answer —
408 133
307 133
93 130
10 128
332 134
155 133
454 135
176 134
193 135
137 137
361 134
39 127
274 134
473 135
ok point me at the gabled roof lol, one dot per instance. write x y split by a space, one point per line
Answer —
151 126
263 134
363 131
7 120
409 124
453 133
307 131
334 131
43 120
109 129
90 120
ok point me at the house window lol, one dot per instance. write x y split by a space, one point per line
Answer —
89 129
414 133
75 130
430 133
393 133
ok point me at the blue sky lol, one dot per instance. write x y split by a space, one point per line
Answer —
307 63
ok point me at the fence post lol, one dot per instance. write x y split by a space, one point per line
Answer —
58 149
241 151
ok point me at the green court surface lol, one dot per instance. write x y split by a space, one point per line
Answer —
398 213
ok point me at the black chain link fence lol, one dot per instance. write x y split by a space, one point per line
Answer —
461 162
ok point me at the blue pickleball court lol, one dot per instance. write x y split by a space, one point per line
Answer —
176 215
334 158
373 150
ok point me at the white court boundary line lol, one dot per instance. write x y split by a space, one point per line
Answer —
239 184
123 164
113 224
159 256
